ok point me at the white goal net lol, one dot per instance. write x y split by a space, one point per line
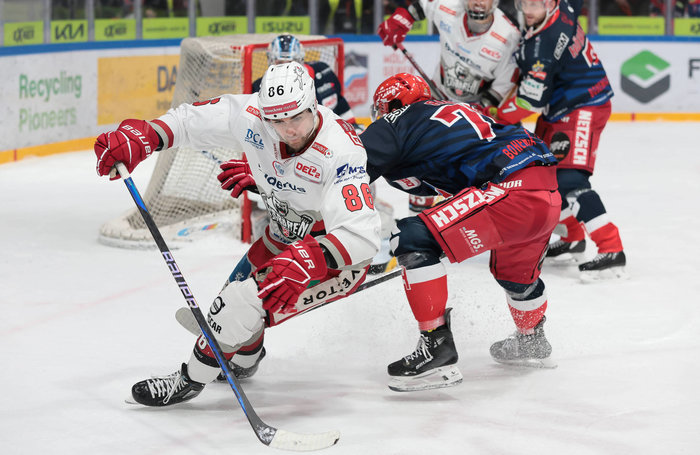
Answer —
183 194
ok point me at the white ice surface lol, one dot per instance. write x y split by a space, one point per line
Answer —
81 322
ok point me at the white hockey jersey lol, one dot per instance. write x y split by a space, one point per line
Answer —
469 61
325 187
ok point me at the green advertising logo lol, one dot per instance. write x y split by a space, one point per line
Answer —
645 76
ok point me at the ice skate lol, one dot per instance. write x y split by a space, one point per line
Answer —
604 266
524 350
432 365
166 390
566 253
240 371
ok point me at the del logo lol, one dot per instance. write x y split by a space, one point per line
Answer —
408 183
350 172
254 139
490 53
307 170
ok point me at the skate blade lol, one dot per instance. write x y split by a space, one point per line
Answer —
547 363
613 273
447 376
565 260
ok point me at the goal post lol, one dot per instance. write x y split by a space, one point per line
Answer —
183 194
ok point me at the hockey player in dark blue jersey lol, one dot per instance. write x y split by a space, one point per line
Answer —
500 184
287 48
563 79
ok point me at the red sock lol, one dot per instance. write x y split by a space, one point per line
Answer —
426 290
607 238
527 313
574 231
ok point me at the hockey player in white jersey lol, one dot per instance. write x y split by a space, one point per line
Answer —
309 167
477 42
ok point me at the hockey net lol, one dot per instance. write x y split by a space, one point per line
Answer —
183 194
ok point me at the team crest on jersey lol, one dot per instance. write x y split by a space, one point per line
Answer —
459 79
308 170
292 224
537 71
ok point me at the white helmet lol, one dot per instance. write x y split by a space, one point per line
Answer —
285 91
478 14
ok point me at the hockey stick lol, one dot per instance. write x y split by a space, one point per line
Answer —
270 436
185 319
437 93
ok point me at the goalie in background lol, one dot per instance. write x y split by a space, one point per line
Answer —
501 188
309 167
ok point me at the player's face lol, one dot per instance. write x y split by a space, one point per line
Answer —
295 131
534 11
479 5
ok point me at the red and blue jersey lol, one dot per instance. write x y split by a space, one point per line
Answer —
436 147
560 71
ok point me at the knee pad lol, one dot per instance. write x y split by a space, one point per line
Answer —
411 235
520 291
237 314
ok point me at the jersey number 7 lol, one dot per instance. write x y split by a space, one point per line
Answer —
449 114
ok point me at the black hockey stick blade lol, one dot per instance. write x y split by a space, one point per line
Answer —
268 435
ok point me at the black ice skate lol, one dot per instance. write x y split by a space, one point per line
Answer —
561 252
242 372
604 266
166 390
524 350
432 365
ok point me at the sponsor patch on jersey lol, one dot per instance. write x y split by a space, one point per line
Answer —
531 89
561 45
583 137
254 111
308 170
279 169
347 172
350 131
408 183
447 10
322 149
560 145
254 139
281 185
445 27
490 53
498 37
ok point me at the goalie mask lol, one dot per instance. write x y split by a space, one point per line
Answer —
285 91
285 48
398 91
479 10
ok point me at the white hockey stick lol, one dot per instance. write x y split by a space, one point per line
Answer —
437 93
268 435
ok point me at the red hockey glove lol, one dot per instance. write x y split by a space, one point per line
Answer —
393 30
290 272
236 176
132 142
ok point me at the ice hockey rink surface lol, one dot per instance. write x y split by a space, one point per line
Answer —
82 322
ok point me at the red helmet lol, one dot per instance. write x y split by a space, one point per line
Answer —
398 91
